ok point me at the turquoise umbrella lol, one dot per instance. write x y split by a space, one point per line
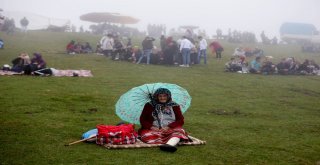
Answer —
130 105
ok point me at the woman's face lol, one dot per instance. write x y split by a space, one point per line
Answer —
162 98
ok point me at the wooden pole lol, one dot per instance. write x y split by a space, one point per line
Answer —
78 141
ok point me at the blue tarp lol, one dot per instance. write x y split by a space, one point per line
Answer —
297 29
90 133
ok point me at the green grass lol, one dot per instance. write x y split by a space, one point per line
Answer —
245 119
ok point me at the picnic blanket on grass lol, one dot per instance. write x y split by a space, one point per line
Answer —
140 144
57 73
8 73
71 73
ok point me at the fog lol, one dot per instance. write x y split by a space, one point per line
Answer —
244 15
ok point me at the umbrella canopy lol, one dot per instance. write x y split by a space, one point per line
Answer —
108 17
130 105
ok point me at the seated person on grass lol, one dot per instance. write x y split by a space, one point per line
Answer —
161 122
86 48
20 62
255 65
267 66
233 65
37 63
70 47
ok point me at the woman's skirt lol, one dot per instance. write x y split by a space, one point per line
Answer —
161 136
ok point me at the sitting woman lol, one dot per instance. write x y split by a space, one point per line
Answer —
161 121
255 65
267 66
37 63
86 48
20 62
70 47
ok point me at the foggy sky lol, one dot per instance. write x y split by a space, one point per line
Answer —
245 15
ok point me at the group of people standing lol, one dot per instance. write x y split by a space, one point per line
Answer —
183 52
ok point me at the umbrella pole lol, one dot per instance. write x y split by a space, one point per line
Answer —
78 141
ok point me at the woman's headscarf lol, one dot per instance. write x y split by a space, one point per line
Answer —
159 106
155 102
38 59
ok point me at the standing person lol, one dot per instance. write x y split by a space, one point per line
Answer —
171 51
24 24
147 47
217 48
118 49
202 50
161 121
185 48
163 43
107 43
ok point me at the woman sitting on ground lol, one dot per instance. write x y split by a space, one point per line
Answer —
267 66
86 48
20 62
70 47
161 121
255 65
37 63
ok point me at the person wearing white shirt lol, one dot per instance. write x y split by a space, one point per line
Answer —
107 43
185 47
202 49
239 52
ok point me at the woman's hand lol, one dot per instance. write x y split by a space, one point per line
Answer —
165 128
154 128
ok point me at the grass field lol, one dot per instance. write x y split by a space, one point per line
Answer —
245 118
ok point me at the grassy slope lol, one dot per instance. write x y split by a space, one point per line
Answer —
245 119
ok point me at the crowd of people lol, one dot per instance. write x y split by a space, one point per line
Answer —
78 48
183 52
264 65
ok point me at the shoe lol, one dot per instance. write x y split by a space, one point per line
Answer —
168 148
187 66
182 65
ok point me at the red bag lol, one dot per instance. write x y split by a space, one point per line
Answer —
122 134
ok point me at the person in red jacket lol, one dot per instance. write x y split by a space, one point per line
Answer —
161 121
70 48
216 48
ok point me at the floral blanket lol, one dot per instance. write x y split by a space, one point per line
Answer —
57 73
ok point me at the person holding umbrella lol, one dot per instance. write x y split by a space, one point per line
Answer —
161 121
